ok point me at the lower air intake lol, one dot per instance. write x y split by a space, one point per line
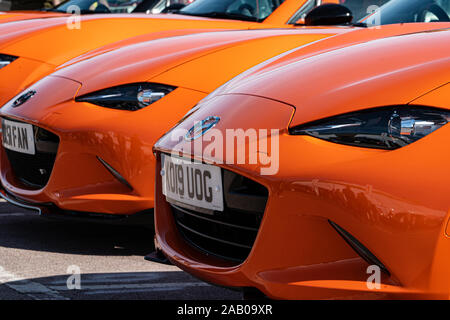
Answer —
33 171
230 234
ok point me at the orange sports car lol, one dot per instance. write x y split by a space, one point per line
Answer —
34 48
79 142
317 176
169 63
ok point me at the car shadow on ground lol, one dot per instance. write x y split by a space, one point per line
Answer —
167 285
27 230
51 247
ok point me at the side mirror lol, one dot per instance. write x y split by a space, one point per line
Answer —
329 14
173 8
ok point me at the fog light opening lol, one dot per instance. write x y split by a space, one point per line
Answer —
116 174
360 249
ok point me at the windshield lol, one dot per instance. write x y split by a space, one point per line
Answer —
253 10
162 6
381 12
407 11
99 6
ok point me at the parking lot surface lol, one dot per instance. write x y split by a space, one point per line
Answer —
40 259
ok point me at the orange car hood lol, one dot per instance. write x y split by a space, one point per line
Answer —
205 61
26 15
147 60
369 74
36 40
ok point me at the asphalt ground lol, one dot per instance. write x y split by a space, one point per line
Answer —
44 259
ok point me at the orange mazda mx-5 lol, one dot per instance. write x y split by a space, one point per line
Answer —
34 48
79 142
317 177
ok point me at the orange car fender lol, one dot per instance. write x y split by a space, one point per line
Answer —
440 274
438 97
440 270
15 82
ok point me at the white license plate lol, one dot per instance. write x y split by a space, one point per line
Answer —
192 184
18 136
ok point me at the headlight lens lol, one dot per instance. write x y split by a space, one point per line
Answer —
129 97
383 128
6 59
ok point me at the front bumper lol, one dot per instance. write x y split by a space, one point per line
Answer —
50 211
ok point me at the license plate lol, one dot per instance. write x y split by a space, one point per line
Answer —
192 184
18 136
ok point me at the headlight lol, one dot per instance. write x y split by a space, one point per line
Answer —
6 59
383 128
130 97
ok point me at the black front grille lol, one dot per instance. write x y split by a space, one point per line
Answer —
229 234
34 170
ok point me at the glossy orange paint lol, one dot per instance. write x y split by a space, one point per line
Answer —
87 131
45 44
393 202
10 16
